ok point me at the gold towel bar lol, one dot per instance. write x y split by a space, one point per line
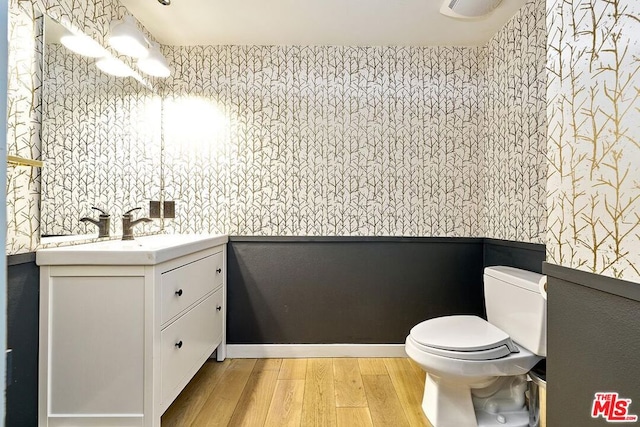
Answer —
21 161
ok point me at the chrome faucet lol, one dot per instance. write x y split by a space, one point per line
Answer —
103 222
128 224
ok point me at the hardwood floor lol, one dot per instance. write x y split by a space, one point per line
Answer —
302 392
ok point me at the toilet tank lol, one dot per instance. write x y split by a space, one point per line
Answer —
515 305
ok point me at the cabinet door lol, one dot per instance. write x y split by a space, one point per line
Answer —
96 345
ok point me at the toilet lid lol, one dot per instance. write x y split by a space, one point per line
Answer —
461 333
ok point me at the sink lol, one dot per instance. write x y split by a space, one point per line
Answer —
145 250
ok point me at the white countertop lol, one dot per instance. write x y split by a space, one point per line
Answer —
145 250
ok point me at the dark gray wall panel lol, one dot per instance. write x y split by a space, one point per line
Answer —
347 290
22 337
594 345
527 256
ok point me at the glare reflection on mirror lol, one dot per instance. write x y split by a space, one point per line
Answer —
100 142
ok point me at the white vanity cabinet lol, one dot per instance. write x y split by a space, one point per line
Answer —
125 326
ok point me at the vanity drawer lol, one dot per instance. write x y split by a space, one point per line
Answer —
187 342
183 286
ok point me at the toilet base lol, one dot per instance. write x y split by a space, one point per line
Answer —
511 419
447 404
494 402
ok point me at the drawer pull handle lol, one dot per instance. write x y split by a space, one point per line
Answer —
218 308
179 292
218 270
179 344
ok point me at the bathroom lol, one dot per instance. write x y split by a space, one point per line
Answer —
364 189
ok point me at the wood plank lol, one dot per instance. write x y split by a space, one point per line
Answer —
246 392
409 390
422 375
384 404
349 388
224 397
253 405
372 366
267 365
293 369
286 406
354 417
185 408
319 407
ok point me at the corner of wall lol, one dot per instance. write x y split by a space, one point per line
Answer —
514 143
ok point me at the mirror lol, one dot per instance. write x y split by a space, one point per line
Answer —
100 142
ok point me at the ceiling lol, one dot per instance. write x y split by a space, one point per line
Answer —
315 22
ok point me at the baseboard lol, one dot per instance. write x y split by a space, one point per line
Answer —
290 351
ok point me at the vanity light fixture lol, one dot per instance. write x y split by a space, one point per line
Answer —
114 66
154 64
82 45
127 39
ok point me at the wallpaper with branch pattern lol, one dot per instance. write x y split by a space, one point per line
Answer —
323 140
361 141
349 140
513 150
594 136
23 129
24 101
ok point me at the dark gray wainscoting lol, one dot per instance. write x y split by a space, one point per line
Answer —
22 338
347 290
527 256
593 341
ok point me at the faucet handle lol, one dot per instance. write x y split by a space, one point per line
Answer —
103 222
131 210
102 212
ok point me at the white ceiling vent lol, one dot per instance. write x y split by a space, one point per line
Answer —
468 9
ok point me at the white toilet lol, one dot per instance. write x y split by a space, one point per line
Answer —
476 369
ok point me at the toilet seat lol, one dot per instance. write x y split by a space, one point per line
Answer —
462 337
